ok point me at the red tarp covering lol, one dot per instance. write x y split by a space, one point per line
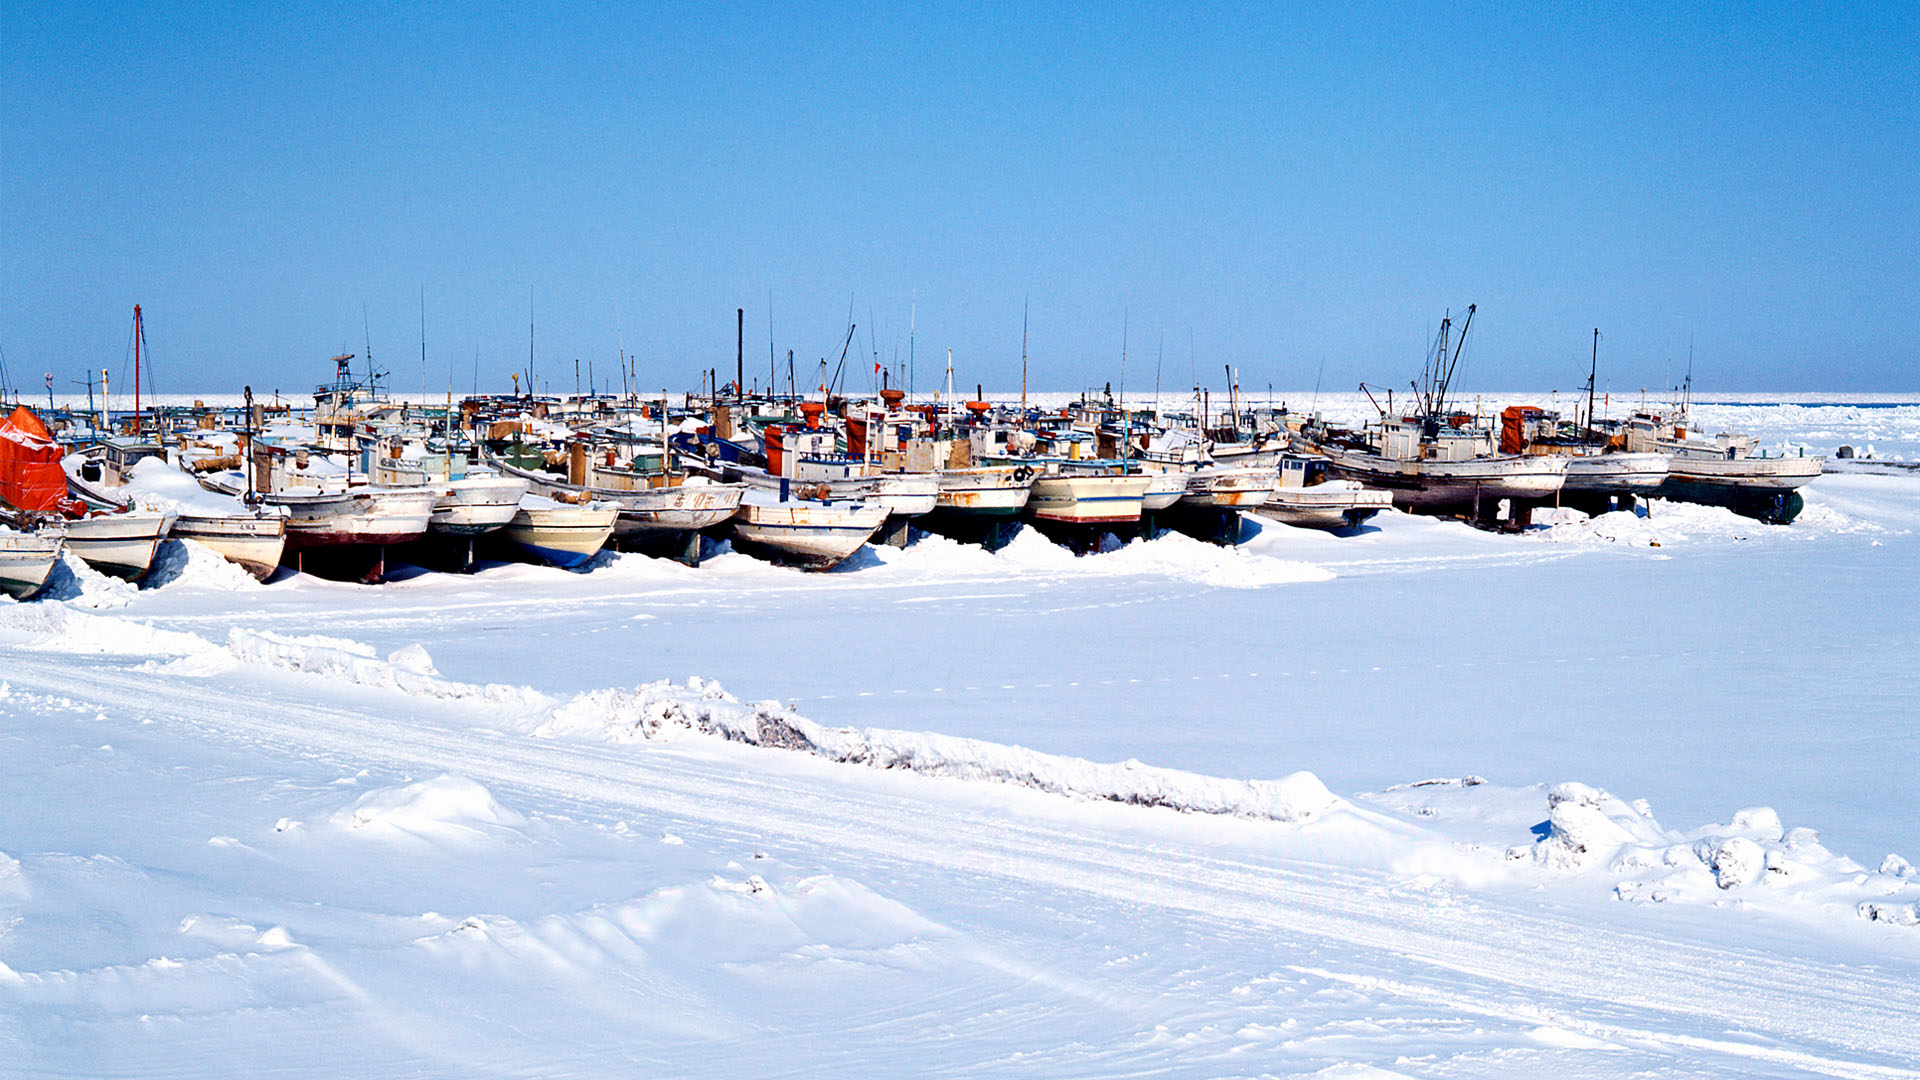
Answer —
1513 438
30 473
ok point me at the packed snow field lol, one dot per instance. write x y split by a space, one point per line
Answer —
1616 795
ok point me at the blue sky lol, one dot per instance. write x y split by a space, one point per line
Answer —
1300 193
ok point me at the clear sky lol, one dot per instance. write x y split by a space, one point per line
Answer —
1300 193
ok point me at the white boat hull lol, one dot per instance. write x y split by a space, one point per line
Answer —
565 536
119 544
902 495
1615 473
1228 489
648 513
1335 504
1755 474
1164 489
815 536
476 504
362 516
26 561
985 491
253 543
1112 499
1450 486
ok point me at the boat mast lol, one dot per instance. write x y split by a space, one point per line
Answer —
137 335
1023 355
1124 315
1446 380
1592 373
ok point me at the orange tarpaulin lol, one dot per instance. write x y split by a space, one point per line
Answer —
30 473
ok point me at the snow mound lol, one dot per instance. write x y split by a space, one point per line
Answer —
447 807
193 564
79 585
662 710
409 669
1671 523
1751 857
412 658
1178 556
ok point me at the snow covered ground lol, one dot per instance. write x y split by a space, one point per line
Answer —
1615 796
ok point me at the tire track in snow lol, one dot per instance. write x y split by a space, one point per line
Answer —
1479 956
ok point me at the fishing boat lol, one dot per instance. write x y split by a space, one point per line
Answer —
325 511
1438 460
33 483
469 500
122 544
813 535
363 516
1421 476
1227 488
1089 493
473 505
1303 495
663 509
253 542
1599 472
981 504
809 455
1602 474
559 533
1165 489
1727 470
124 473
996 491
26 561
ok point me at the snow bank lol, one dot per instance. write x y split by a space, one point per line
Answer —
447 807
192 564
1173 555
63 628
80 585
1750 857
662 709
1668 523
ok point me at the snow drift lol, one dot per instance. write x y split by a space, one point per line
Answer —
660 709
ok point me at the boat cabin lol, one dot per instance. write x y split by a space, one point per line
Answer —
117 459
1298 471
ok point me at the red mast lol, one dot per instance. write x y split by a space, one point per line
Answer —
136 369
